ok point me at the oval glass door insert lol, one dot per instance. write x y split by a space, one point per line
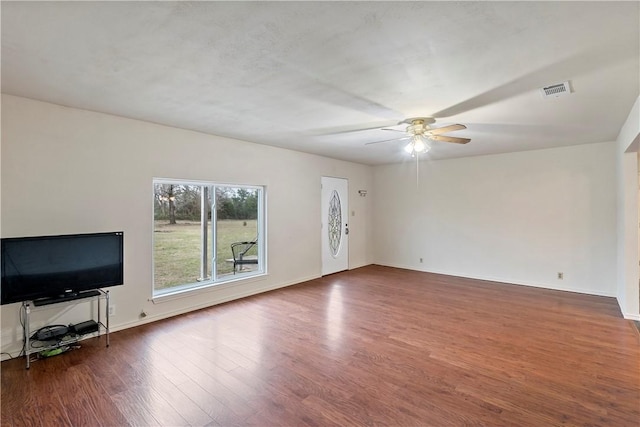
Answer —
335 223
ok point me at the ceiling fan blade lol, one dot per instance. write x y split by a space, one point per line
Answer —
449 139
445 129
350 129
394 130
388 140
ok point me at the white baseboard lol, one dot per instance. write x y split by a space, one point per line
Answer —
630 316
504 280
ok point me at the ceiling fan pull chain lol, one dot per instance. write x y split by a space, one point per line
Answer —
417 171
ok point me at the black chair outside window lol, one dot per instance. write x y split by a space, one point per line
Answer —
241 255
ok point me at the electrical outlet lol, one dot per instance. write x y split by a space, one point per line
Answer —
560 275
112 310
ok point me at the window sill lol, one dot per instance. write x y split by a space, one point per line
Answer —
190 291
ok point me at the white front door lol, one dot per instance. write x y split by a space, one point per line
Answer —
335 227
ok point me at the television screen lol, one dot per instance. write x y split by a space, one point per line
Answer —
58 266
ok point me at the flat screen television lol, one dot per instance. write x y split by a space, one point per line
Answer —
54 267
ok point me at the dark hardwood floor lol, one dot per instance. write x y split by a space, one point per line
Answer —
372 346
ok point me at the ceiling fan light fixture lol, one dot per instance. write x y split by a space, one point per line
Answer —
409 147
417 145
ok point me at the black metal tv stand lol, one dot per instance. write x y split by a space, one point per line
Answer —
92 296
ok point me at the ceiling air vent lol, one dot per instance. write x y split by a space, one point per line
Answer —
557 90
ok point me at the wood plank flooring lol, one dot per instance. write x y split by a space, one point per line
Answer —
372 346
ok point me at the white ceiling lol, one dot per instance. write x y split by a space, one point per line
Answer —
296 74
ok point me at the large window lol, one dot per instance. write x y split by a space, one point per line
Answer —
205 233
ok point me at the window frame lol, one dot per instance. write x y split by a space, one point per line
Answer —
212 246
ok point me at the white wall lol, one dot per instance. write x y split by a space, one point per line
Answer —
627 231
518 218
66 170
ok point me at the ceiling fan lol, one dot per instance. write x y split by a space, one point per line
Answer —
419 132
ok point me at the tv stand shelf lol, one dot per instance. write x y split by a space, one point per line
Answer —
93 296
